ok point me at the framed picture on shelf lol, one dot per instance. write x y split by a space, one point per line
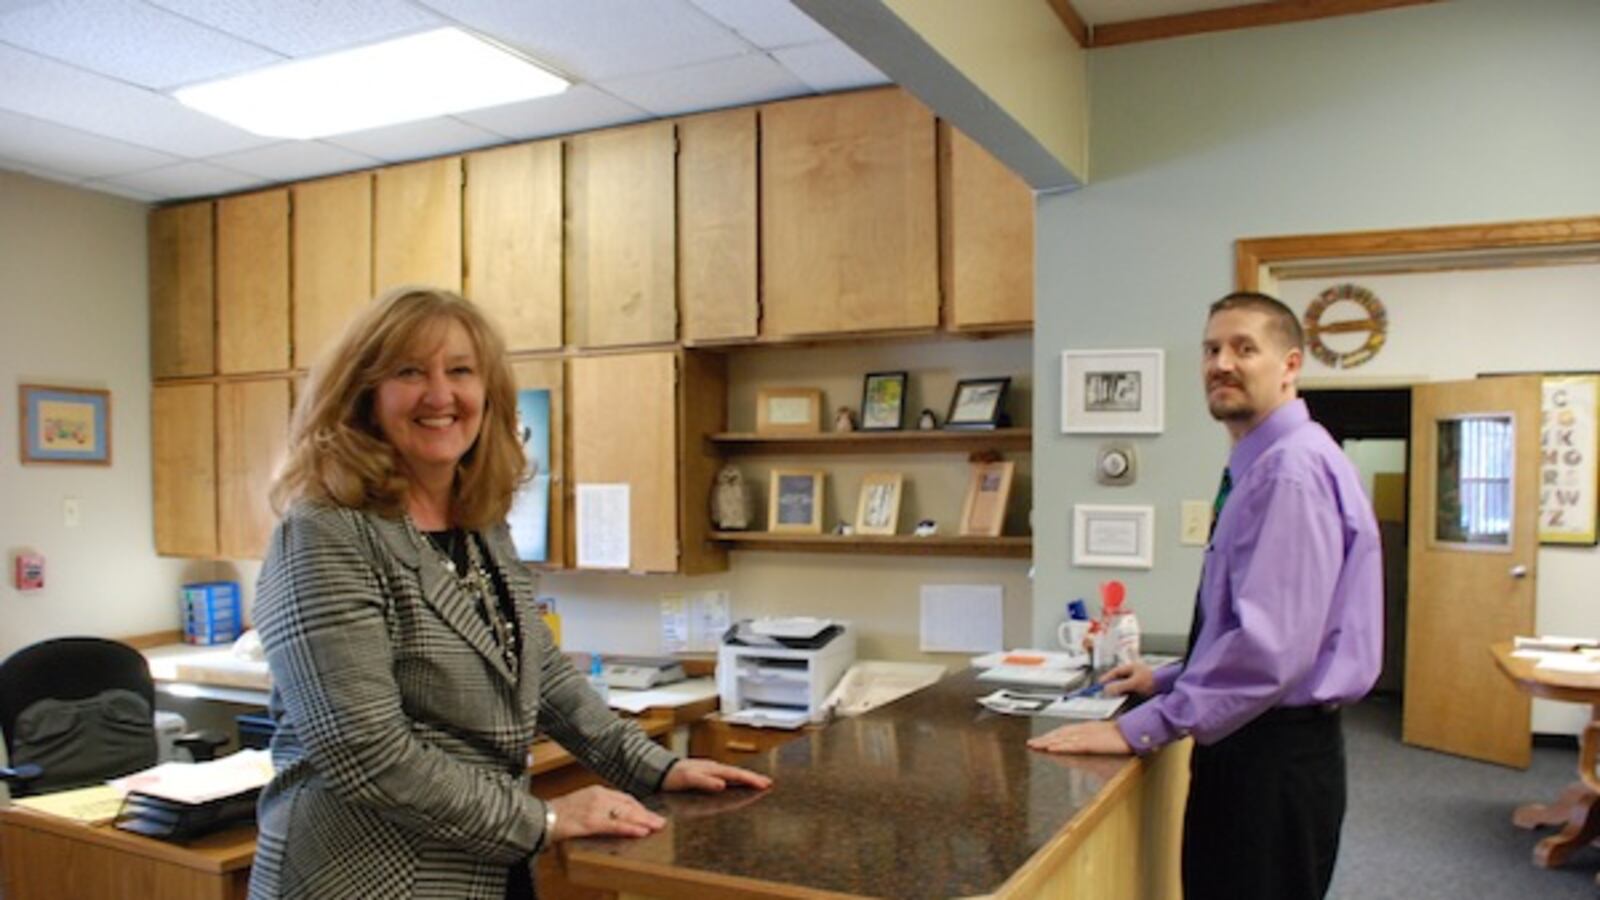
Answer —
1111 391
977 403
788 411
988 488
878 510
883 401
794 503
1118 537
65 425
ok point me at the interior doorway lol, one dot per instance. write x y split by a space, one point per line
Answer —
1374 428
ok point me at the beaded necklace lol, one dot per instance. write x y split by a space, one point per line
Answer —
478 585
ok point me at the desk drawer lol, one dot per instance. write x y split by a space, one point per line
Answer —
735 744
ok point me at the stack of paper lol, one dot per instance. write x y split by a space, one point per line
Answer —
197 783
1029 703
90 805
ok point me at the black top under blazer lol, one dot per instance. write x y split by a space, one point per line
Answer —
402 738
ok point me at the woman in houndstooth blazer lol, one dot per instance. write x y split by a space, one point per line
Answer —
408 670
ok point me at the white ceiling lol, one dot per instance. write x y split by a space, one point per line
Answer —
85 84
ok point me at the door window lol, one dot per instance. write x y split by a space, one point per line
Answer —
1477 459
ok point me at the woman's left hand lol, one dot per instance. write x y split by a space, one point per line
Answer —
710 775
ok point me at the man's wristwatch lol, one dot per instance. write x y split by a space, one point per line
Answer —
549 828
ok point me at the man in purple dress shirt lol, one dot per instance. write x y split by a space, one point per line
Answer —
1288 627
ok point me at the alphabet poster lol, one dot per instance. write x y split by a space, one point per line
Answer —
1567 441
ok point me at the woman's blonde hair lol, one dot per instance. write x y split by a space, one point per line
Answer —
338 455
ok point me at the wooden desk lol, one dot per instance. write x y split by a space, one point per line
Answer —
1577 809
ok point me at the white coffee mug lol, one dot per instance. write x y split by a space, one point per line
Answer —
1072 633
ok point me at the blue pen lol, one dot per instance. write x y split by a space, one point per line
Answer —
1093 688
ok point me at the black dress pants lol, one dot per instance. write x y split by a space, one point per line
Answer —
1265 807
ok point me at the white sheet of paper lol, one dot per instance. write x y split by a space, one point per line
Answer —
1569 662
709 617
962 618
603 536
682 693
674 623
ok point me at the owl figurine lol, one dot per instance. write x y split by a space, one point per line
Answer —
730 500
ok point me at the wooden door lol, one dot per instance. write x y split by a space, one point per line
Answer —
1471 580
332 250
253 282
849 218
182 291
986 263
549 375
252 441
416 225
717 225
184 476
513 241
621 252
624 431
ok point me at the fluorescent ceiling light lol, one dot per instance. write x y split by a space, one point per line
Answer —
434 73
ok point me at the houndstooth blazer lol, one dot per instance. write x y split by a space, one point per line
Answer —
402 741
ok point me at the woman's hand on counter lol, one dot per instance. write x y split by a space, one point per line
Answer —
710 775
1083 737
601 810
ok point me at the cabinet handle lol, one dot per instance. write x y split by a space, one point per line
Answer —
741 746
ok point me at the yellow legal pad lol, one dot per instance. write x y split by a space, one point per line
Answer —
90 805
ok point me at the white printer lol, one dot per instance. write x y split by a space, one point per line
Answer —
778 672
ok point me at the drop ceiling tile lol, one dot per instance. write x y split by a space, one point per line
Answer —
742 80
295 160
307 29
829 66
186 179
416 140
132 42
71 152
597 39
106 187
23 168
580 108
765 23
53 91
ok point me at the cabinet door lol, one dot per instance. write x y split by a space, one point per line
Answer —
548 374
621 244
416 225
183 430
735 744
624 429
849 230
513 238
332 272
717 225
252 440
987 239
253 282
182 302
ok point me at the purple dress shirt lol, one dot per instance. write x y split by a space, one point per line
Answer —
1291 592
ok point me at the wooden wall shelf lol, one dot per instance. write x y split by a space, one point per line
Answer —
959 441
1007 547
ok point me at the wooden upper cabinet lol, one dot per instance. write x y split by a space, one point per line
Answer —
849 230
182 298
332 271
621 252
183 451
548 375
513 241
987 241
253 282
416 225
717 225
252 442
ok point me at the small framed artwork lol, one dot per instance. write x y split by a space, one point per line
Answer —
977 403
65 425
988 489
883 401
1118 537
788 411
794 504
878 510
1111 391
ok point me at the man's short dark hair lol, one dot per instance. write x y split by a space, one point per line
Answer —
1283 321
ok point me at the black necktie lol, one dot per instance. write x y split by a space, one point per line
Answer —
1223 490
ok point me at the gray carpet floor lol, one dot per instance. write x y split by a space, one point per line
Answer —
1422 824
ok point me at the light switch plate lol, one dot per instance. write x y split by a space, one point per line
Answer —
71 512
1196 523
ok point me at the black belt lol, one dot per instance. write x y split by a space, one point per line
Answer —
1285 715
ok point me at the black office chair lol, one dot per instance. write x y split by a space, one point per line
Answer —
78 711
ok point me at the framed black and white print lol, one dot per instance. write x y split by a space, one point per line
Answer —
1112 391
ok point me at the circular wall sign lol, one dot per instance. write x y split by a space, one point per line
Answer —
1373 322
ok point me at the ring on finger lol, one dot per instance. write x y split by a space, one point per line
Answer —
612 814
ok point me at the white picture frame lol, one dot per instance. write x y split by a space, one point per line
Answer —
1113 391
1113 537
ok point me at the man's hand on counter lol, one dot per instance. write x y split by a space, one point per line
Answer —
710 775
1083 737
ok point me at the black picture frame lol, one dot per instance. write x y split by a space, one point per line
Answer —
883 401
977 403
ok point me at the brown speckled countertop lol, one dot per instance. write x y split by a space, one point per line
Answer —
930 796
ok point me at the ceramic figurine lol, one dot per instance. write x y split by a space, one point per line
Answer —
844 420
926 528
844 528
730 500
927 421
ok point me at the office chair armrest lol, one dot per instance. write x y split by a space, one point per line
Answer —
20 778
202 745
